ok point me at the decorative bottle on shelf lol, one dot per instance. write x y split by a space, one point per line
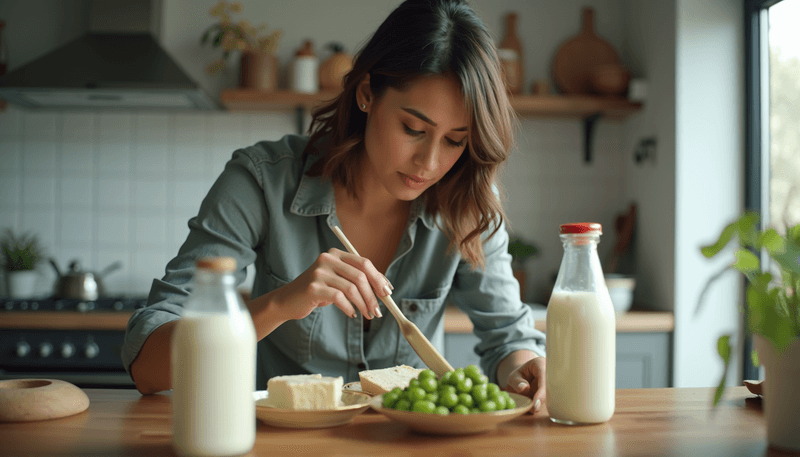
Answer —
581 333
305 70
213 367
510 54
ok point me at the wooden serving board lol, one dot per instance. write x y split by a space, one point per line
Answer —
39 399
576 57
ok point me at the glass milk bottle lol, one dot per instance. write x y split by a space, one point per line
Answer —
213 367
581 333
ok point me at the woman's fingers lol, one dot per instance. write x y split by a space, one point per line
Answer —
372 279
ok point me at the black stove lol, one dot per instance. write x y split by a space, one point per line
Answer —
68 304
84 355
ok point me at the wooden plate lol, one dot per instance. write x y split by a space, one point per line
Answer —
575 59
39 399
353 404
454 424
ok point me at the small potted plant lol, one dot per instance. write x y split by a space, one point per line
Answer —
773 318
520 251
259 67
20 256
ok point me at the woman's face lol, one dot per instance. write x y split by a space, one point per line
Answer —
413 137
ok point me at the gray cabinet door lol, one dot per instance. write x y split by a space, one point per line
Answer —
642 358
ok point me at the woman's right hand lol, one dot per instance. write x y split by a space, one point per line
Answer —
336 277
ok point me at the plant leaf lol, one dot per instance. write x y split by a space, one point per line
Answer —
724 350
724 238
746 261
747 228
772 242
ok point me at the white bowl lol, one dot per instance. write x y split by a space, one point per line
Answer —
620 288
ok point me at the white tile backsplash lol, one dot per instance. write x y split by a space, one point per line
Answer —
104 187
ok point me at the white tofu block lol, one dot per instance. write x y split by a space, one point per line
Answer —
305 392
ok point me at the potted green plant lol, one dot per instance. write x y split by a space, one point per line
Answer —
20 257
520 251
773 318
259 67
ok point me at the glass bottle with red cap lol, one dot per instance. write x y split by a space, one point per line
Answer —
581 333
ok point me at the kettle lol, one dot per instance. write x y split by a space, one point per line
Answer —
78 284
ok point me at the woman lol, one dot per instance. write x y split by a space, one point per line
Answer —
404 161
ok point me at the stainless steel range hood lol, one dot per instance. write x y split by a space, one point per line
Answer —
118 65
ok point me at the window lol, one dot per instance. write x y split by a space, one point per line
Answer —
773 139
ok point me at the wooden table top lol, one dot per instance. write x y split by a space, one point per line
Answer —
667 421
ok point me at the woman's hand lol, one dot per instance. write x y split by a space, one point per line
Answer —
529 379
336 277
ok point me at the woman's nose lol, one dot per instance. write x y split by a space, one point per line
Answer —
427 156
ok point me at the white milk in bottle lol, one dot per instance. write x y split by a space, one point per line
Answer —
213 367
581 333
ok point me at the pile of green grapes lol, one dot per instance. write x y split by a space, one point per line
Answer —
461 391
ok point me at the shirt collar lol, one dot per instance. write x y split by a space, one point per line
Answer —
314 197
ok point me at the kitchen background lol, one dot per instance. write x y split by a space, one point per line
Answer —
105 186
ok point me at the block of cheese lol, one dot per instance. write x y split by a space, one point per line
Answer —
376 382
305 392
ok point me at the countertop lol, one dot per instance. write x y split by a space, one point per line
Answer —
455 321
667 422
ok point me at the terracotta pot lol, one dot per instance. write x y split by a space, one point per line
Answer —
781 396
259 71
610 80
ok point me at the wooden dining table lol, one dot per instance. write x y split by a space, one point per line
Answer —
663 422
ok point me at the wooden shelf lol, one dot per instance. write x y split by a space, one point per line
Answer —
579 106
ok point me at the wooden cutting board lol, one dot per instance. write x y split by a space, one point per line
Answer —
39 399
576 57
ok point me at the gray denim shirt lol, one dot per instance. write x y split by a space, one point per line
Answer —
264 210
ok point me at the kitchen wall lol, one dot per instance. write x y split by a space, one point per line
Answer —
103 186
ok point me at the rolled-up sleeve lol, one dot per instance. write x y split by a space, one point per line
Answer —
230 222
490 297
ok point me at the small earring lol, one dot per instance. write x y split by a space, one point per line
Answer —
363 107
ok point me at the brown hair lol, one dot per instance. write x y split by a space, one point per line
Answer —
419 38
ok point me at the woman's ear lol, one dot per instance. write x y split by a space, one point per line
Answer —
364 94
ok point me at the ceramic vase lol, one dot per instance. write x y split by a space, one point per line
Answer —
259 71
781 396
21 284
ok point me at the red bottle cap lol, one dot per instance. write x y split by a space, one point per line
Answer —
582 227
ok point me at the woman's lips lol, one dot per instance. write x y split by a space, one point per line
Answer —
413 181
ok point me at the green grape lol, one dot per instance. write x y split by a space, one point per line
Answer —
488 406
425 374
423 406
492 389
460 409
415 394
398 391
480 393
403 405
429 384
484 379
458 375
432 397
464 385
446 389
500 401
390 398
448 399
510 403
442 410
446 378
474 373
413 383
466 400
474 410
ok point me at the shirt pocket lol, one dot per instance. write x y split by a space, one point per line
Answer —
426 313
294 337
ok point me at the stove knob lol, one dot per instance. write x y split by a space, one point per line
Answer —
91 350
67 350
9 305
45 349
23 349
118 305
83 307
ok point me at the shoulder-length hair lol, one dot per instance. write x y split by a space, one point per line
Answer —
420 38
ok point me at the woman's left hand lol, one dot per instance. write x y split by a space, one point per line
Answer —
529 379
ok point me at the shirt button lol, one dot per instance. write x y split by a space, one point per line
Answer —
413 307
361 366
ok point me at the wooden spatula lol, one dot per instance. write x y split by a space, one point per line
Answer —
421 345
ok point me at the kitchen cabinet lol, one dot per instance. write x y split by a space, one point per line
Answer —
644 342
587 108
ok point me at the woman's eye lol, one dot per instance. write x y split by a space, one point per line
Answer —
456 144
411 131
